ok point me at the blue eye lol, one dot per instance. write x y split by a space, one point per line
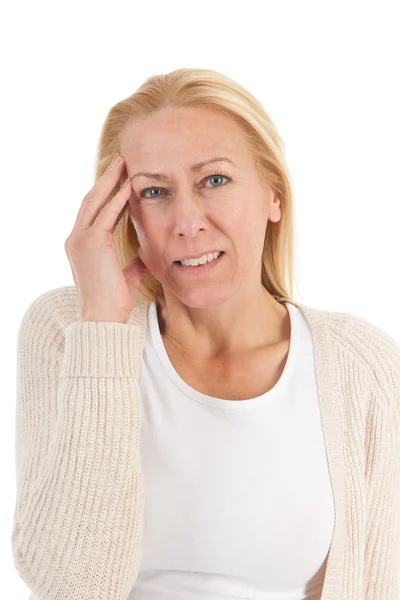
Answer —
218 175
142 193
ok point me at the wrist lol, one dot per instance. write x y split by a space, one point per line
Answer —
104 318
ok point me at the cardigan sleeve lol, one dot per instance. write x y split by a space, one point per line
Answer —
382 550
78 510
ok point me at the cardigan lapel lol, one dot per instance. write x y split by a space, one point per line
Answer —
331 408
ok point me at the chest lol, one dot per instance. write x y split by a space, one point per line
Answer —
241 378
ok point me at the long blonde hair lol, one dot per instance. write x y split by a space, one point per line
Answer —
213 90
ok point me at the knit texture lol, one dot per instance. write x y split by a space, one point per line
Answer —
77 529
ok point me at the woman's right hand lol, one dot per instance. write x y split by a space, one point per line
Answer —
107 292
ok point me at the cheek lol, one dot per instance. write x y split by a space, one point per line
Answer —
153 244
240 224
246 231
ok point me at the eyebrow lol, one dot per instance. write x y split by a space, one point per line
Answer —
194 168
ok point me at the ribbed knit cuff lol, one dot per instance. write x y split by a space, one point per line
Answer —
100 349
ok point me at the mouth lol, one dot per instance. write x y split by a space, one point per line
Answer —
199 269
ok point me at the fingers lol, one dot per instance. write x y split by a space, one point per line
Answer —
95 199
110 215
79 224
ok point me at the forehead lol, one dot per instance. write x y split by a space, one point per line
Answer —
182 135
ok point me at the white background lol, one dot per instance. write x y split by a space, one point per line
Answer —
327 74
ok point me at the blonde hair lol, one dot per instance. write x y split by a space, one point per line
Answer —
213 90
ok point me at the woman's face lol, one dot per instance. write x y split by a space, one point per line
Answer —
186 213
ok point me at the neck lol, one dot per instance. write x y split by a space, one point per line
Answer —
225 330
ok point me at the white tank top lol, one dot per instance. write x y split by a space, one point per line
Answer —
238 503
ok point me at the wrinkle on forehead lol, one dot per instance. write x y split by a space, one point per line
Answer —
182 139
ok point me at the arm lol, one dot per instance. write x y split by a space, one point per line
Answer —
382 551
79 499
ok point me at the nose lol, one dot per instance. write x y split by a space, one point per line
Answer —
188 214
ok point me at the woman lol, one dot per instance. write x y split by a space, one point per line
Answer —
187 428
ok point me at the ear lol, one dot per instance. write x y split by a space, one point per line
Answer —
274 213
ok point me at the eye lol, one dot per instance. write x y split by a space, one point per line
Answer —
218 175
224 175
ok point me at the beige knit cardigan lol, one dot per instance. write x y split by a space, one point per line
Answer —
77 530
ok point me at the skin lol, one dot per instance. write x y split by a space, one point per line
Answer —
224 314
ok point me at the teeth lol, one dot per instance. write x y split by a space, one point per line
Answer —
200 261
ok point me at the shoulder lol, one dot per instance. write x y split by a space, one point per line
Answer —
41 333
350 339
55 307
375 350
